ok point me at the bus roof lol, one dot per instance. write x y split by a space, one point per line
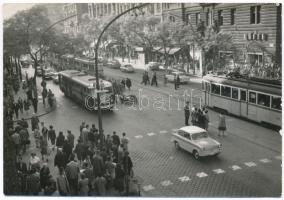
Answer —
83 78
246 84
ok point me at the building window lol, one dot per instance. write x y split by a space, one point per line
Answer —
197 16
188 18
255 59
220 17
263 100
252 97
233 17
276 103
226 91
208 17
109 8
158 8
215 89
235 93
255 14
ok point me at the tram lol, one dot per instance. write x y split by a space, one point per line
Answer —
81 87
253 100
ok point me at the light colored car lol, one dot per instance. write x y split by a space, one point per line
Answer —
127 68
153 66
184 78
113 64
55 78
48 73
196 141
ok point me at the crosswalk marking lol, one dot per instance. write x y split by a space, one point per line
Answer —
201 174
278 157
184 178
138 136
265 160
163 132
148 188
166 183
218 171
250 164
151 134
235 167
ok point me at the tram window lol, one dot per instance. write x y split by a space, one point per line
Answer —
252 97
263 99
203 85
235 93
243 95
226 91
276 103
215 89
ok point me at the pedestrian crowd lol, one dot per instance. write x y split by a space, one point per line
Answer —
93 166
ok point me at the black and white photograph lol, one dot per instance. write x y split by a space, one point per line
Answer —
142 99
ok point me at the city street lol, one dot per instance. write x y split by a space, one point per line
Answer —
250 153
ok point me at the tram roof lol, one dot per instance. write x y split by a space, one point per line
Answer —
246 84
83 78
85 60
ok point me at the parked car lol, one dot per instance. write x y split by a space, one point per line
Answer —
153 66
55 78
184 78
196 141
113 64
127 68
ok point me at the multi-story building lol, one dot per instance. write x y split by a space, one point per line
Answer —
72 24
255 29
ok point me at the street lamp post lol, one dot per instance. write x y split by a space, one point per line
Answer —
96 65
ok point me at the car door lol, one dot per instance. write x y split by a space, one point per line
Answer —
181 140
188 142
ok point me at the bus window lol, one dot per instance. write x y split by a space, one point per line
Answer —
263 100
276 103
215 89
226 91
252 97
235 93
243 95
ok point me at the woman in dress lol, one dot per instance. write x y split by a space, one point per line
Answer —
222 124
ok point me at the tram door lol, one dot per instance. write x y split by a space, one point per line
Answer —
243 103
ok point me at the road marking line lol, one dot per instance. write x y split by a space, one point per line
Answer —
235 167
250 164
265 160
218 171
151 134
278 157
163 132
148 188
201 174
138 136
166 183
184 179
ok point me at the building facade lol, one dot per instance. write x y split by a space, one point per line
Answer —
72 25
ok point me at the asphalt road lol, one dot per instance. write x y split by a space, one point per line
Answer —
249 165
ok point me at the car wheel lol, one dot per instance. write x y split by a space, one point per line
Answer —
195 154
177 146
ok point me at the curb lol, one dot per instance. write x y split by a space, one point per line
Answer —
40 115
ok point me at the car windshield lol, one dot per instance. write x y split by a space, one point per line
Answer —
198 136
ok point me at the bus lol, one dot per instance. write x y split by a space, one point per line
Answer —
68 61
256 101
81 87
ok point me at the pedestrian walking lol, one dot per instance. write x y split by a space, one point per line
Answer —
43 83
79 149
194 116
91 136
60 140
52 136
83 185
35 104
22 172
206 119
16 138
34 162
222 124
43 148
119 183
67 149
100 185
154 79
50 187
44 174
128 83
98 165
127 164
84 135
108 143
50 97
21 105
81 127
124 141
72 173
178 81
44 95
37 137
24 134
70 138
60 159
33 182
26 106
62 183
34 121
186 113
16 109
